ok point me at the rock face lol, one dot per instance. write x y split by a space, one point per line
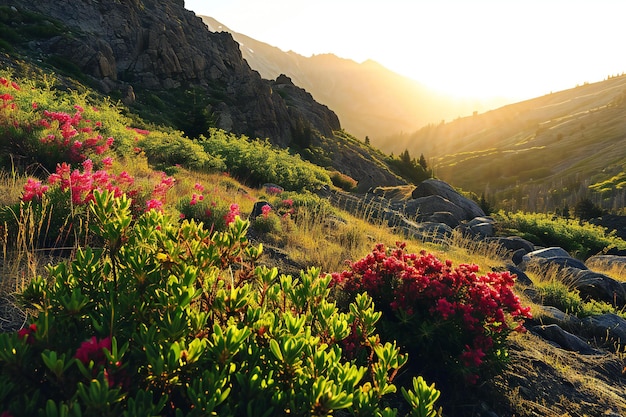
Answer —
434 187
157 45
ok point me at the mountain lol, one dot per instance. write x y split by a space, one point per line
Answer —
147 47
539 154
369 99
161 60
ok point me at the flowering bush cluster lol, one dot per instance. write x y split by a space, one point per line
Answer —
213 212
172 319
449 317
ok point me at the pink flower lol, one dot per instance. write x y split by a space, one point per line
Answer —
35 105
15 86
199 187
33 188
93 350
28 333
107 162
232 214
266 210
154 205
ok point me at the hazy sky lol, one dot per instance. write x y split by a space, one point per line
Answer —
517 49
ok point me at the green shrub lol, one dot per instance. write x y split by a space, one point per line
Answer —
343 181
558 294
580 239
171 149
173 319
257 162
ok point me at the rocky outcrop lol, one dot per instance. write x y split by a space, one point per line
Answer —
435 187
159 45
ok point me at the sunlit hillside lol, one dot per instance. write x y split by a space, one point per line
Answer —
536 155
369 99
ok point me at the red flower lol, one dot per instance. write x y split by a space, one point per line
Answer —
28 333
93 350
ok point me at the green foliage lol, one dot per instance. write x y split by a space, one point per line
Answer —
408 168
172 148
174 319
343 181
269 223
578 238
422 398
557 294
586 210
257 162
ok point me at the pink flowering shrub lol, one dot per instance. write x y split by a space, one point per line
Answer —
448 318
203 206
268 221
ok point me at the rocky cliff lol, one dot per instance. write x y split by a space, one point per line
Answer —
155 45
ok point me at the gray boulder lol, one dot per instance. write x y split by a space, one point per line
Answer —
429 205
609 326
599 287
607 261
522 278
444 217
565 340
427 232
564 320
553 256
436 187
481 226
513 243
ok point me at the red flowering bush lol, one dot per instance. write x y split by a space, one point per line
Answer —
447 318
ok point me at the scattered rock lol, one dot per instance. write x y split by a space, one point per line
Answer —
513 243
563 339
553 256
439 188
257 209
607 261
608 325
599 287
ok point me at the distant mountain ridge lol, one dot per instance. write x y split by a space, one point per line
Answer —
369 99
536 155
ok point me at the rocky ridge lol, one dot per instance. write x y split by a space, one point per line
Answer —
159 45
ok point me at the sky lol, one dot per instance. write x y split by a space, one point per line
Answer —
468 48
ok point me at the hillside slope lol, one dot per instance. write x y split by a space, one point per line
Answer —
370 99
158 54
538 154
164 63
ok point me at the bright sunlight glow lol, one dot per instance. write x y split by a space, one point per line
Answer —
516 49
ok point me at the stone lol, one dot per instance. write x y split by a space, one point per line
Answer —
607 325
429 205
257 209
607 261
553 256
522 278
436 187
599 287
513 243
563 339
